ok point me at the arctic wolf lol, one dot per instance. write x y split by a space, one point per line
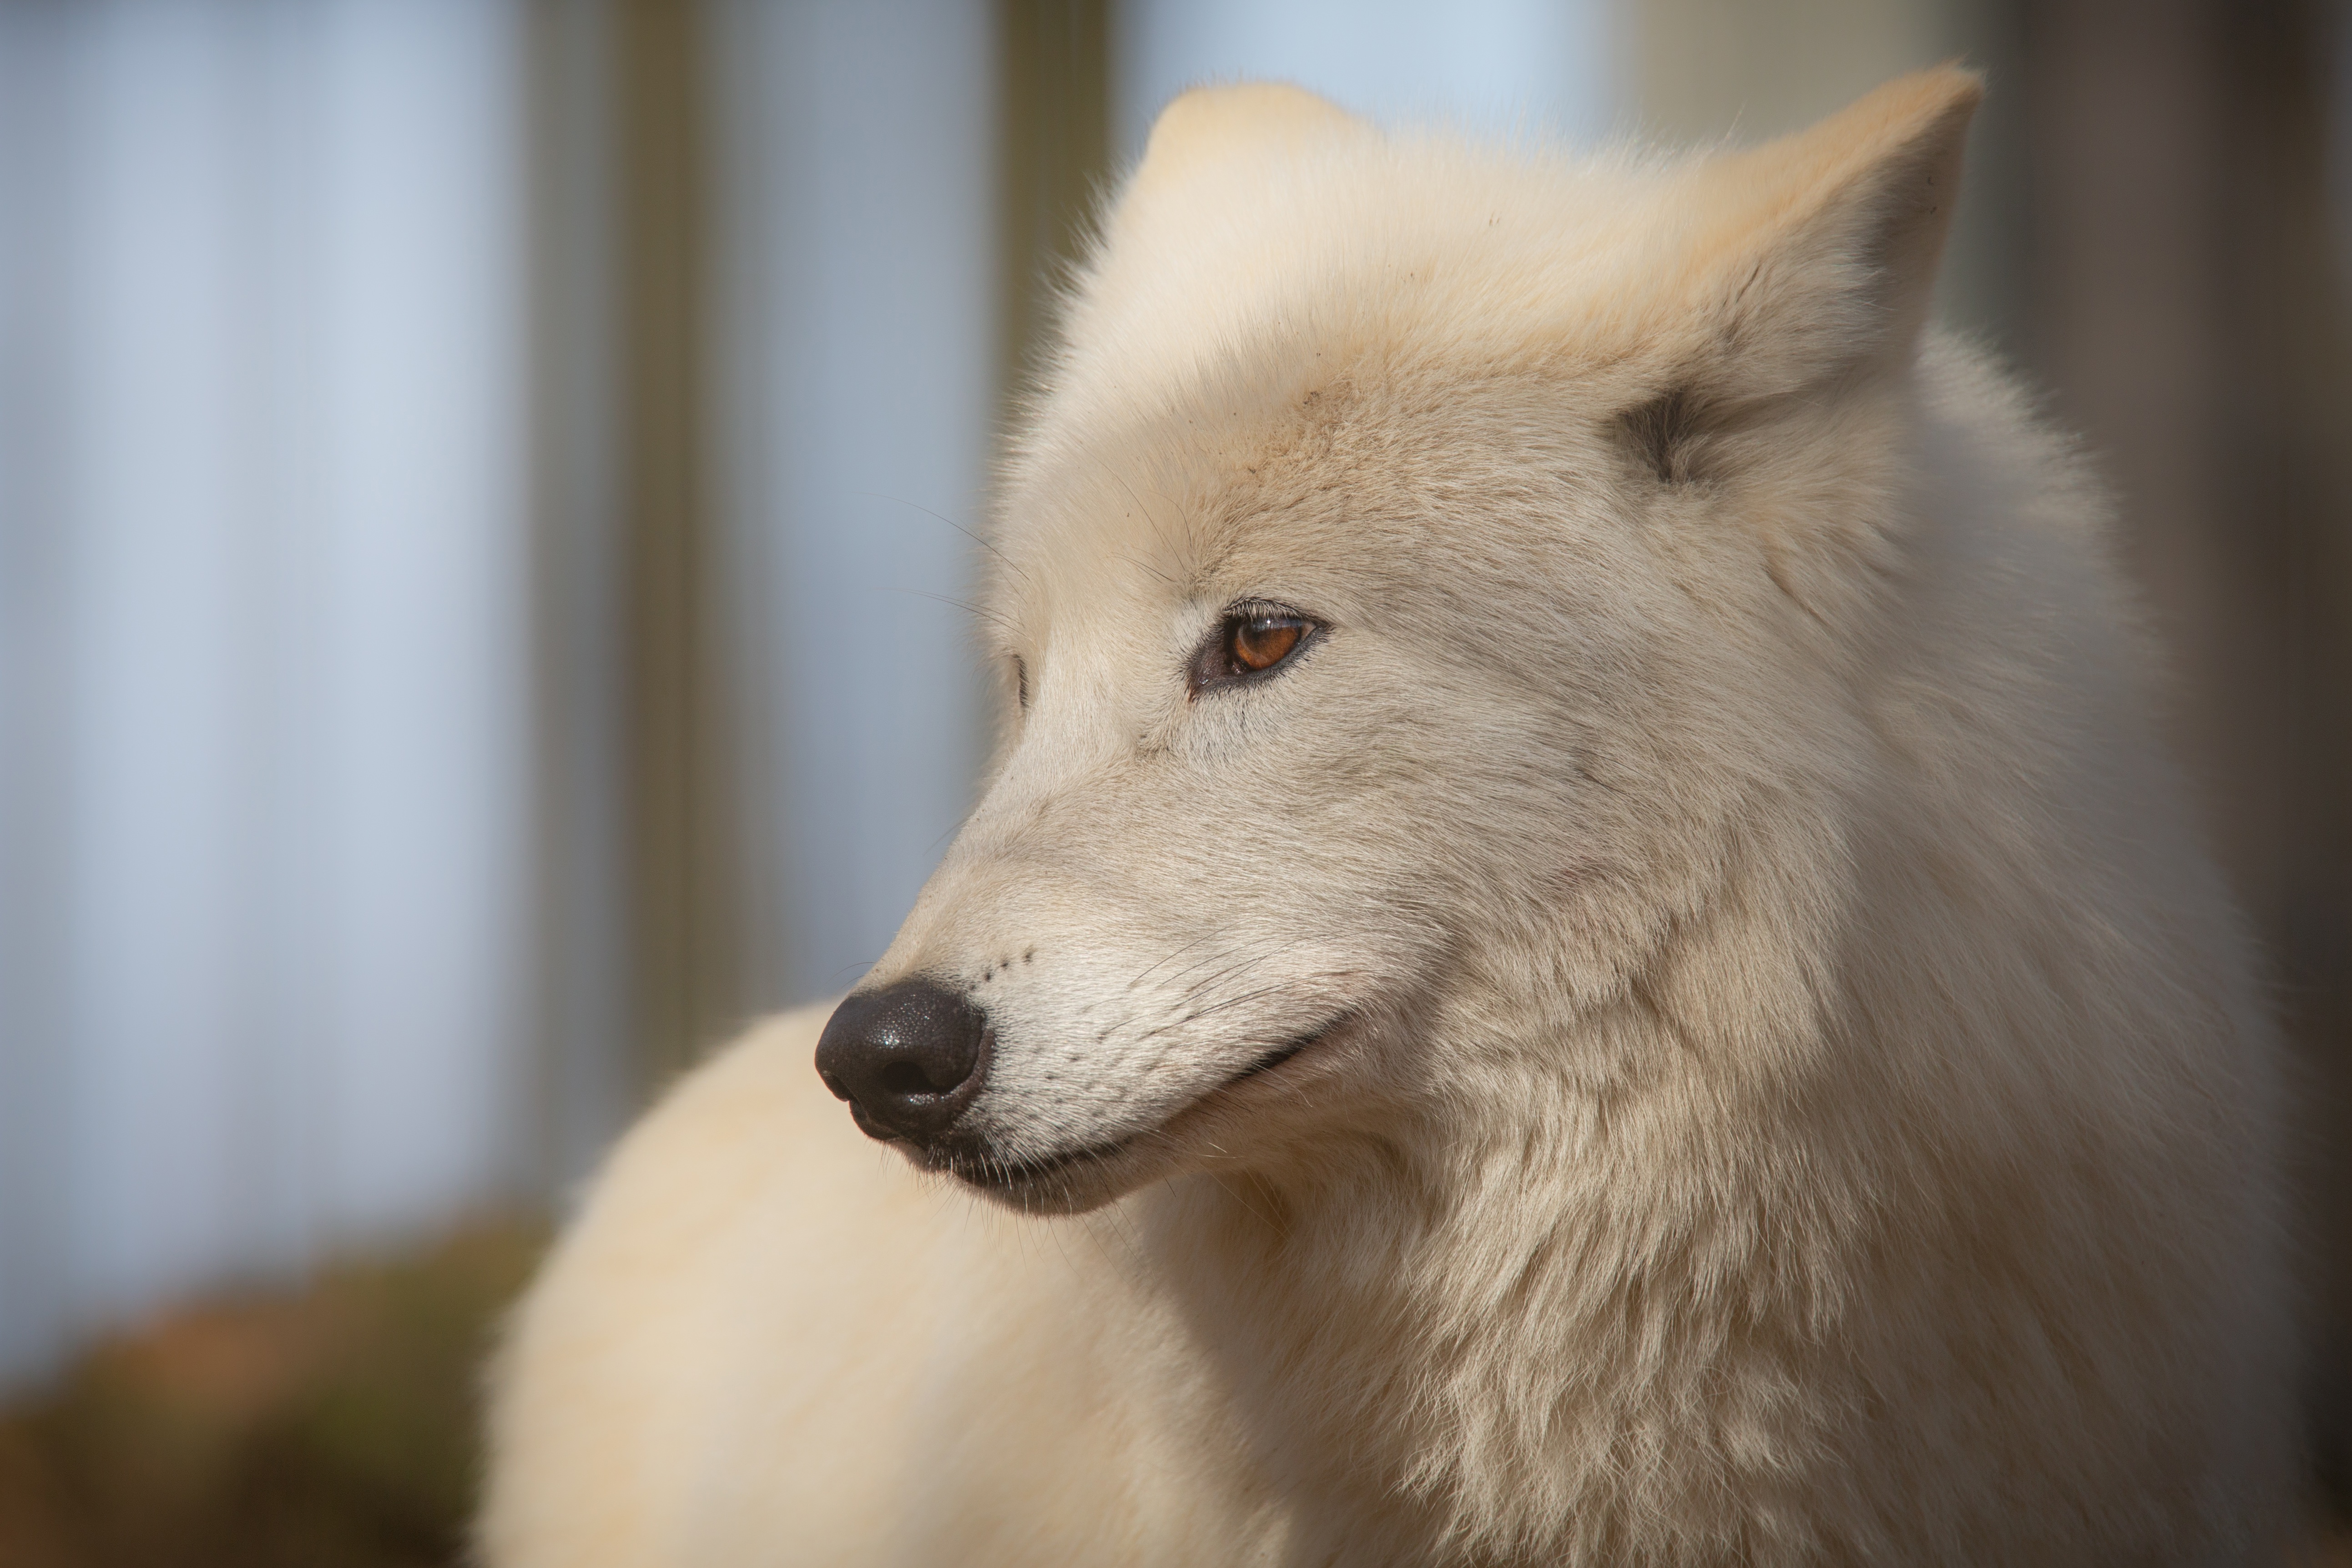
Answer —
1578 949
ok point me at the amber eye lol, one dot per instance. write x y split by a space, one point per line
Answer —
1261 642
1252 640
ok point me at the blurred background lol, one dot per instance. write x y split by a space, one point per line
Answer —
485 499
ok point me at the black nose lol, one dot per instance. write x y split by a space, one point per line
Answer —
908 1057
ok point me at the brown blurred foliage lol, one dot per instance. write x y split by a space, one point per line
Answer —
334 1428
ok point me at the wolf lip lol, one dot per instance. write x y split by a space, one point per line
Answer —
1283 1053
986 1171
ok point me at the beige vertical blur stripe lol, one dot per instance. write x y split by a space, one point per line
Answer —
1054 159
1751 69
1755 68
686 932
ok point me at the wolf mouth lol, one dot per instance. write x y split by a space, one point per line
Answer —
1002 1174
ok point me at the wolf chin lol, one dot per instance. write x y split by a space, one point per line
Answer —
1579 948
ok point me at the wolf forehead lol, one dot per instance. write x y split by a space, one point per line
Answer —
1281 268
1304 293
1282 396
1307 455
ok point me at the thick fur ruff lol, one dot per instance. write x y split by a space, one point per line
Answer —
1770 1076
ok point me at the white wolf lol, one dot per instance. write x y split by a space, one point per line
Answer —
1578 948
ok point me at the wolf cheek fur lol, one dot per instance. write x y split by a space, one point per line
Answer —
1687 1026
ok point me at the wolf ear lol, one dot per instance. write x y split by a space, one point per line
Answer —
1236 133
1823 257
1809 264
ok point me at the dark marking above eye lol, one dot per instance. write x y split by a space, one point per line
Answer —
1662 433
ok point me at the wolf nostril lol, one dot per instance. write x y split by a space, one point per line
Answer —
908 1058
906 1078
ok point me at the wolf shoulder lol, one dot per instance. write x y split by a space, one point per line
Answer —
767 1339
720 1287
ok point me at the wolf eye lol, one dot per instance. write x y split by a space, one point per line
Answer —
1250 641
1262 642
1021 679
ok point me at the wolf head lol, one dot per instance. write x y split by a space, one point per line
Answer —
1428 578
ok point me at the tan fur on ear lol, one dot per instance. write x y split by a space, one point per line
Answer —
1830 239
1228 130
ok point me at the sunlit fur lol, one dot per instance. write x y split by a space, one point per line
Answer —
1782 1083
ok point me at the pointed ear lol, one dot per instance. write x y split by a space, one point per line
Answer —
1233 134
1823 258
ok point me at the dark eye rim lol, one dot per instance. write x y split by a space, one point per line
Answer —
1212 667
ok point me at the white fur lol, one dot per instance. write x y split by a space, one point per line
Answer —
1794 1091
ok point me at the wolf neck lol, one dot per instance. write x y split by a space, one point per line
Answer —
1532 1328
1442 1345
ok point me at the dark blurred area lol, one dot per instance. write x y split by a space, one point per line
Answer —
2158 230
329 1429
2186 278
